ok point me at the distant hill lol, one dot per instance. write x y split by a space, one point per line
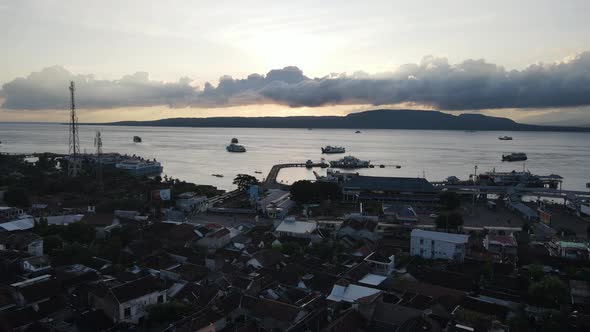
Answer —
375 119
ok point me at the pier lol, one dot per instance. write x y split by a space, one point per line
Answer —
271 178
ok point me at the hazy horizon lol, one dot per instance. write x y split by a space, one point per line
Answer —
527 61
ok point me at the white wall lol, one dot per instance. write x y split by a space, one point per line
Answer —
436 249
138 306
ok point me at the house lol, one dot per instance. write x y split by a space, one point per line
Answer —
36 290
271 315
399 213
103 223
359 229
298 229
216 239
438 245
265 258
22 241
400 189
573 250
344 291
381 264
128 302
35 264
504 245
191 202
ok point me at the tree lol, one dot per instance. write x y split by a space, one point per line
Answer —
243 181
452 220
450 200
51 243
291 248
536 272
305 191
549 292
79 232
17 197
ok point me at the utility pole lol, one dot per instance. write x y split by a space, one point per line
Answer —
74 144
98 145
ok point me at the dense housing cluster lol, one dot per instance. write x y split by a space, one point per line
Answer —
344 253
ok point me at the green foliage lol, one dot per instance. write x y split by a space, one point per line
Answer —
243 181
17 197
305 191
73 254
452 220
549 292
51 243
326 251
168 312
291 249
78 232
535 272
450 200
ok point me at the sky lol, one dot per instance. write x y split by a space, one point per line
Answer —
133 60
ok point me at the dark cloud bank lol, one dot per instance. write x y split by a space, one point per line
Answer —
470 85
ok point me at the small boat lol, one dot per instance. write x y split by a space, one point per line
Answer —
516 156
505 138
217 175
309 164
235 148
234 140
357 132
258 172
333 149
381 166
136 139
398 166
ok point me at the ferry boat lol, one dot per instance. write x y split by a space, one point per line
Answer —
136 139
235 148
516 156
505 138
350 162
333 149
140 167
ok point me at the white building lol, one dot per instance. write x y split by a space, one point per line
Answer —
128 302
438 245
300 229
189 202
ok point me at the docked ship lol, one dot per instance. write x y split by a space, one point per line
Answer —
516 156
333 149
505 138
235 148
350 162
140 167
136 139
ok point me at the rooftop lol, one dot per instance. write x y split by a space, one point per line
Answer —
504 240
352 293
378 183
299 227
440 236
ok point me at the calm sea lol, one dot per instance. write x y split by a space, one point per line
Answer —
194 154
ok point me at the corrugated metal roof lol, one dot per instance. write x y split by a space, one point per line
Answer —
390 184
440 236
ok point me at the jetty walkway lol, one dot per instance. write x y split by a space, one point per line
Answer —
271 178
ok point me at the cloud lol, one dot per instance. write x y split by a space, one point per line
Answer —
469 85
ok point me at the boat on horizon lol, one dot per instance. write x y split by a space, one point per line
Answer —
217 175
358 132
136 139
505 138
234 140
515 156
333 149
350 162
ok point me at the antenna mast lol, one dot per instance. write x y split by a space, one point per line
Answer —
98 145
74 145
